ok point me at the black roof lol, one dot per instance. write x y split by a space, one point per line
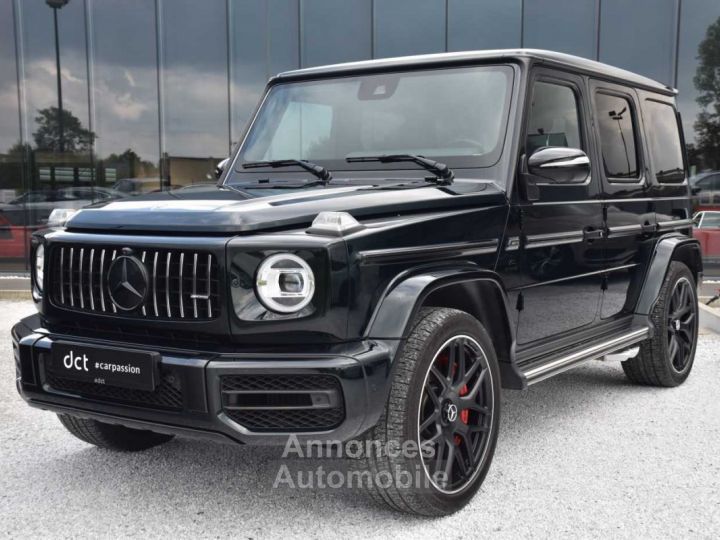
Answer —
575 63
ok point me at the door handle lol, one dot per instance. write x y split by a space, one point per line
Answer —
590 234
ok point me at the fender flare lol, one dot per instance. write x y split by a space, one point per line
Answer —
669 248
392 319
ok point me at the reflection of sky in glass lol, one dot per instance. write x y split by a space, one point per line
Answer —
125 77
39 60
562 26
500 21
195 78
639 35
696 16
9 124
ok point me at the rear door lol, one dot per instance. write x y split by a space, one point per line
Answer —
627 205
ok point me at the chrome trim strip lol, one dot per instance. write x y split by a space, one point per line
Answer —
70 270
624 230
90 279
379 256
102 280
167 283
553 239
182 262
544 371
80 278
674 224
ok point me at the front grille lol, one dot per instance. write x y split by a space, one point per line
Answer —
287 403
167 395
182 284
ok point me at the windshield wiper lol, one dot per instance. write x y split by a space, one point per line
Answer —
318 170
445 176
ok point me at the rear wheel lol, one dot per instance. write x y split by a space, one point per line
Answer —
110 436
667 358
445 402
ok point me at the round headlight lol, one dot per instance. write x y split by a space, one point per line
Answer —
285 283
39 266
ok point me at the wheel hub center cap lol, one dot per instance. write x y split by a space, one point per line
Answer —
676 324
450 412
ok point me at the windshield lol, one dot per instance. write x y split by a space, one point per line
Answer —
455 115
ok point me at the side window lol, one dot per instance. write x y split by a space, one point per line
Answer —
665 146
554 119
616 124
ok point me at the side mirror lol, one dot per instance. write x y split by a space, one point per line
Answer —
220 167
560 165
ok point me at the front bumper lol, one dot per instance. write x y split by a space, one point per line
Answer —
193 396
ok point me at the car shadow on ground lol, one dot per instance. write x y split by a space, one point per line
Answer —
218 478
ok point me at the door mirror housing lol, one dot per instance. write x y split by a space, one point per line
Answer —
220 167
560 165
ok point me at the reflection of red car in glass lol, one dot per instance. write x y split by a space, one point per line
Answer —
14 239
707 231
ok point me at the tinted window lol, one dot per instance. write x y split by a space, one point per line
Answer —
709 183
453 113
617 136
664 140
554 119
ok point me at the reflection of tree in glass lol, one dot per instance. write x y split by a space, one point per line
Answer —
132 165
75 137
707 82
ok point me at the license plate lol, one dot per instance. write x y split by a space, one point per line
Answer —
104 365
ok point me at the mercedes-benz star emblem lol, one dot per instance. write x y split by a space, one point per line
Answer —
127 282
451 412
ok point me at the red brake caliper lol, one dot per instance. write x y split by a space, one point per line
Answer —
464 414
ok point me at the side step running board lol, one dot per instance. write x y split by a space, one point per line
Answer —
539 372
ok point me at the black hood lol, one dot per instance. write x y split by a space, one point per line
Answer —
222 210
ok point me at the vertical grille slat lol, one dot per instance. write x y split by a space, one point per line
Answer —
90 276
194 286
182 284
167 284
62 275
114 255
209 291
154 284
80 278
102 280
72 296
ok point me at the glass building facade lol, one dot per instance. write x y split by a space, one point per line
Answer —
110 98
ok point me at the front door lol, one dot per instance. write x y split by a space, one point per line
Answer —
560 257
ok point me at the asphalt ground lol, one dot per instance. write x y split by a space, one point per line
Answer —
585 454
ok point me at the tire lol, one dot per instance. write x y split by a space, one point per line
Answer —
658 362
418 394
110 436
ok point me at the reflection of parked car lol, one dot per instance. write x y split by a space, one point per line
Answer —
707 231
33 207
706 190
136 186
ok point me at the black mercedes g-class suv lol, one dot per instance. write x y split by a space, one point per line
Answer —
392 243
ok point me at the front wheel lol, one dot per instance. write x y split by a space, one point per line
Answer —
444 402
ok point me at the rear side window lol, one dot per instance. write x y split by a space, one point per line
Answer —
664 142
554 119
616 124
